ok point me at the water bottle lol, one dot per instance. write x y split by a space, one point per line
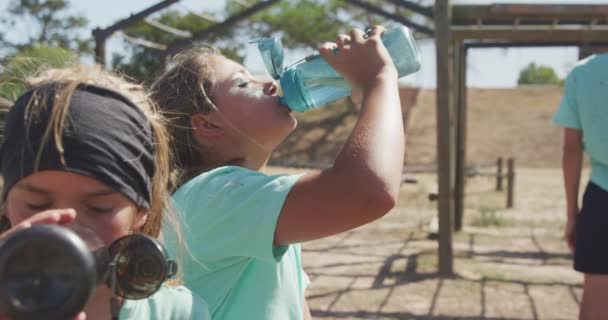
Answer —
312 82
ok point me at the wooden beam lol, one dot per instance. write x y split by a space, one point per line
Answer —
143 42
517 22
445 141
100 47
538 34
425 11
556 43
102 34
381 12
202 15
243 3
460 74
561 10
184 43
134 18
586 50
529 11
169 29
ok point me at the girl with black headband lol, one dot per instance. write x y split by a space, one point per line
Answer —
78 153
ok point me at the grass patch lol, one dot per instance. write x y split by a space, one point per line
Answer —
488 217
495 276
427 263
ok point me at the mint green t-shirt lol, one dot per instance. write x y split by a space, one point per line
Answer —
168 303
229 217
584 106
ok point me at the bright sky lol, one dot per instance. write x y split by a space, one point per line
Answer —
486 67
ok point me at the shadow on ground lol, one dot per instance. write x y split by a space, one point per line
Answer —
388 269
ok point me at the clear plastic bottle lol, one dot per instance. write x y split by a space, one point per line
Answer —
312 82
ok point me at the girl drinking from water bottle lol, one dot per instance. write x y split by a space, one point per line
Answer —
246 226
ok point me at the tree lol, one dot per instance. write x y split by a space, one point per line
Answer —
145 63
27 63
301 24
533 74
53 25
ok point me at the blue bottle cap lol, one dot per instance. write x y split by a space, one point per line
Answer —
271 50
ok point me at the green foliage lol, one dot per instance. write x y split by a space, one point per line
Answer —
144 63
53 24
534 74
303 23
28 63
488 217
309 23
300 23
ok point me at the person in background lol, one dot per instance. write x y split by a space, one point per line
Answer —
583 113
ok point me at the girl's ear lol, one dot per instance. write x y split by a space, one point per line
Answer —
205 125
140 219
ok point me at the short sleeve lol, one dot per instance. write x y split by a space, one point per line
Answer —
232 212
567 114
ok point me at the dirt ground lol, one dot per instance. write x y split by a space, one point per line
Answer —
509 263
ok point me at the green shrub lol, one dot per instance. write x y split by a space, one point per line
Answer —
533 74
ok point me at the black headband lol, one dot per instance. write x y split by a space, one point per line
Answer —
106 137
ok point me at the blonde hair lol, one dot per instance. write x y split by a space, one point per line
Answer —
68 80
181 92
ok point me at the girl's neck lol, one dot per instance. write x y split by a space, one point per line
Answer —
249 163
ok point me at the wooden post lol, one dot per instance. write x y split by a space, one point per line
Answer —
586 50
499 174
445 141
510 182
460 74
100 46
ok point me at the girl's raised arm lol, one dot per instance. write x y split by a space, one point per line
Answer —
364 182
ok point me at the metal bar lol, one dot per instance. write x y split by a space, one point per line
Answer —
425 11
168 29
372 8
182 44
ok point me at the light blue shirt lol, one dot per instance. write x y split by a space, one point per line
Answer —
229 217
584 106
168 303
